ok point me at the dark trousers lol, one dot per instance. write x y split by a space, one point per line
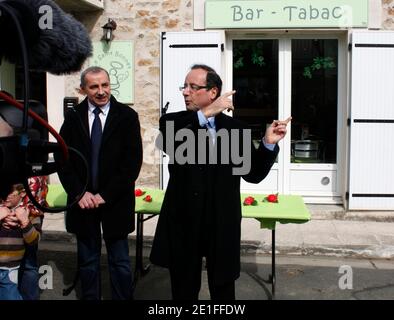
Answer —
186 284
119 266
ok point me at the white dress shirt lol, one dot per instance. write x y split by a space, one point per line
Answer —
102 115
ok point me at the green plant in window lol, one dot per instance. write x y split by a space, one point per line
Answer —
258 59
318 64
247 52
239 63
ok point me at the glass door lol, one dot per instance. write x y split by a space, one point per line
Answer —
297 76
256 80
314 101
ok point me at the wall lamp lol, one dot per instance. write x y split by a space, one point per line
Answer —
108 29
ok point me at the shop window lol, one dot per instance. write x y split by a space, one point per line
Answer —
255 78
314 100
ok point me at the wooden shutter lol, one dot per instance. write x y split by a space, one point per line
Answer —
179 51
371 183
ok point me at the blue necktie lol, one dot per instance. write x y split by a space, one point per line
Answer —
95 140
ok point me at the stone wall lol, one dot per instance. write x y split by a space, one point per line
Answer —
143 22
388 14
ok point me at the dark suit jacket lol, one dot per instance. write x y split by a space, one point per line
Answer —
119 165
201 211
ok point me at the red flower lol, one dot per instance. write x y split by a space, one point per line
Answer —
139 192
148 198
250 201
272 198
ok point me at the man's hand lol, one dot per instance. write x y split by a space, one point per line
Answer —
88 201
276 131
99 199
22 214
220 104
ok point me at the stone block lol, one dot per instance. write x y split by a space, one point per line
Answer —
172 23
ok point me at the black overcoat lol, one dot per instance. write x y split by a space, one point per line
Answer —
201 211
120 161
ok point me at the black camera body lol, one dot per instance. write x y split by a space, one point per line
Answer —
19 153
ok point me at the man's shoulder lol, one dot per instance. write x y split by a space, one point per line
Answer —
178 114
79 107
231 122
123 108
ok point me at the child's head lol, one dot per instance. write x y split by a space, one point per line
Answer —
15 196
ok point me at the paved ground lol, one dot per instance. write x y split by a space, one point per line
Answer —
354 249
298 277
370 236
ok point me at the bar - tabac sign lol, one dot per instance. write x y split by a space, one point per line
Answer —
286 14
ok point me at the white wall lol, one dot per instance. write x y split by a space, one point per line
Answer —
55 95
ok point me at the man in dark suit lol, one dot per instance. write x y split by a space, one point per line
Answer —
201 211
107 133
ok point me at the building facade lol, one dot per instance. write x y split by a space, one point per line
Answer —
328 64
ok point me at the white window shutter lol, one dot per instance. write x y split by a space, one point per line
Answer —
371 181
179 51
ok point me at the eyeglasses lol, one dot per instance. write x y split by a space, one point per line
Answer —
193 87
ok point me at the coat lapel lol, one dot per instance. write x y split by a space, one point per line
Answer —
83 116
220 121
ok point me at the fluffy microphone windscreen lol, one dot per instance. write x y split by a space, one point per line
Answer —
59 47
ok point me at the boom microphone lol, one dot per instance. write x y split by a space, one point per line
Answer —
56 42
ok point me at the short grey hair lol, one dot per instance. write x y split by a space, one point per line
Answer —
93 69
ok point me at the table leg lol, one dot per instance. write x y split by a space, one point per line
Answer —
139 258
273 274
139 243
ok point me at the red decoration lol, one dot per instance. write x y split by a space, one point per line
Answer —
148 198
272 198
139 192
250 201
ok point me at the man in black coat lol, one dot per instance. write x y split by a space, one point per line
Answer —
107 133
201 211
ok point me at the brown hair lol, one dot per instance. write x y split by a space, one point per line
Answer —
18 187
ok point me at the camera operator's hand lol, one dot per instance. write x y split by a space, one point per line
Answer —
88 201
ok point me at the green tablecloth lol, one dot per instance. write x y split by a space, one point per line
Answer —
289 209
153 207
56 196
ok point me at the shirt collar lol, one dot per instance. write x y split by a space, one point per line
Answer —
211 121
104 109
